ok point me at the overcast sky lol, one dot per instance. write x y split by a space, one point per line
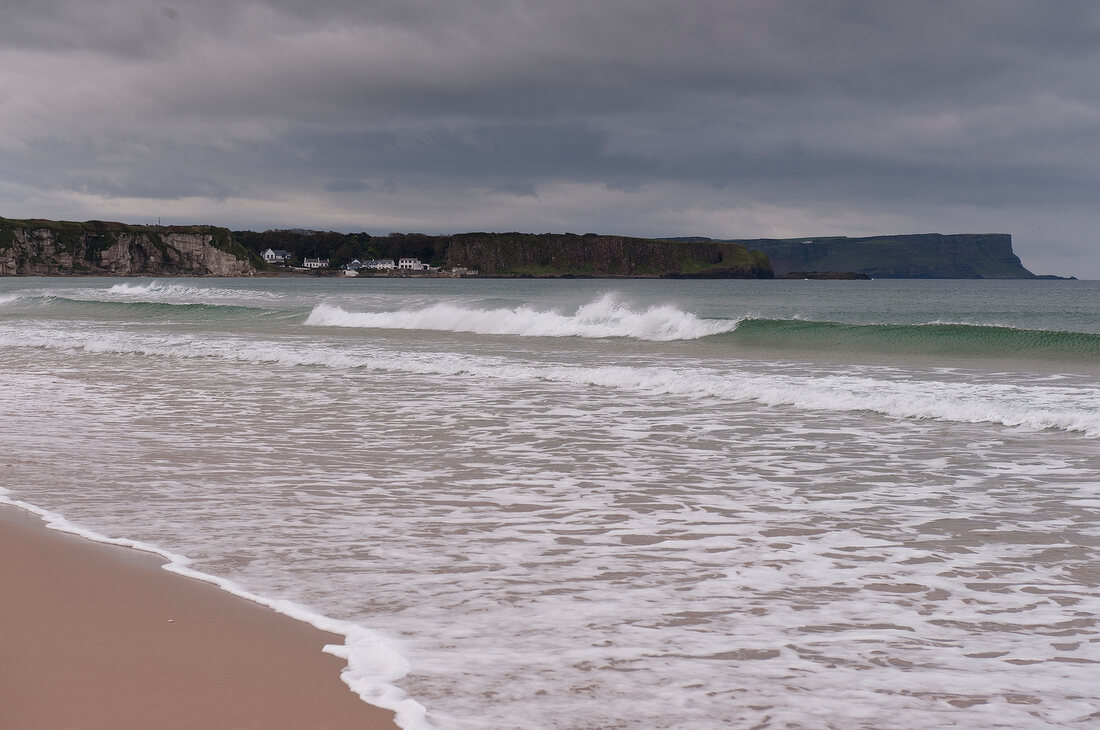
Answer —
720 118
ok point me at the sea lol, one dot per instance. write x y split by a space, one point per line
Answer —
592 504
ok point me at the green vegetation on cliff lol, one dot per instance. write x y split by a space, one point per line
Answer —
89 236
568 254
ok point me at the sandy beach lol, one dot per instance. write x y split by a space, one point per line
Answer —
98 636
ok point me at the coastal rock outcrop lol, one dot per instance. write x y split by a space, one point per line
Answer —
61 248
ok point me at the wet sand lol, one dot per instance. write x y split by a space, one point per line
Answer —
97 636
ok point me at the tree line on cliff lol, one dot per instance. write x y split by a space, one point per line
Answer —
523 254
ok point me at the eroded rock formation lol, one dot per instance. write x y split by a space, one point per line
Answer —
62 248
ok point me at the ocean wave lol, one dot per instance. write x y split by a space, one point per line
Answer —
609 317
932 338
1038 406
9 298
143 308
605 317
157 291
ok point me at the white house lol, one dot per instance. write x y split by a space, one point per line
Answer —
315 263
411 264
272 256
380 264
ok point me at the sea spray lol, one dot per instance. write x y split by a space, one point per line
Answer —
138 289
157 291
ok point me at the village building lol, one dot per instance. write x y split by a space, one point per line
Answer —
315 263
380 265
272 256
411 264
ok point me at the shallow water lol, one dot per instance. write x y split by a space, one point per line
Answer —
595 504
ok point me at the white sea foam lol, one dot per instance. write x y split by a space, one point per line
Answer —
9 298
965 323
1039 406
374 661
605 317
558 557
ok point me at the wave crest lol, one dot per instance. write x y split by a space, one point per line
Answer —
605 317
156 291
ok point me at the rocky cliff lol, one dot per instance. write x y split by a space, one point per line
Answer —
919 256
568 254
61 248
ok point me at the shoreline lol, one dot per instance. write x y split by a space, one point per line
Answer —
101 636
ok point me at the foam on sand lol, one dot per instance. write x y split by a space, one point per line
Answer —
373 661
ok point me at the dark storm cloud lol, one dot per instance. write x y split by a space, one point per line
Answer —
826 114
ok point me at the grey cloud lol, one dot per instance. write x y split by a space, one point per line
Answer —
113 27
346 186
847 105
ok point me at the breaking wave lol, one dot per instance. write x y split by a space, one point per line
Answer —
610 317
157 291
605 317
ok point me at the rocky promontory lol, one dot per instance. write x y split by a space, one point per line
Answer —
915 256
63 248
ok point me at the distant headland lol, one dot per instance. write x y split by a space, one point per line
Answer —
66 248
913 256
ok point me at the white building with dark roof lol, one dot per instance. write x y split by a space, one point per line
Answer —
272 256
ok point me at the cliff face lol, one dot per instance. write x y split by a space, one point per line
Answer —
594 255
60 248
920 256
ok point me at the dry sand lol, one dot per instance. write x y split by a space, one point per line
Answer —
97 636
